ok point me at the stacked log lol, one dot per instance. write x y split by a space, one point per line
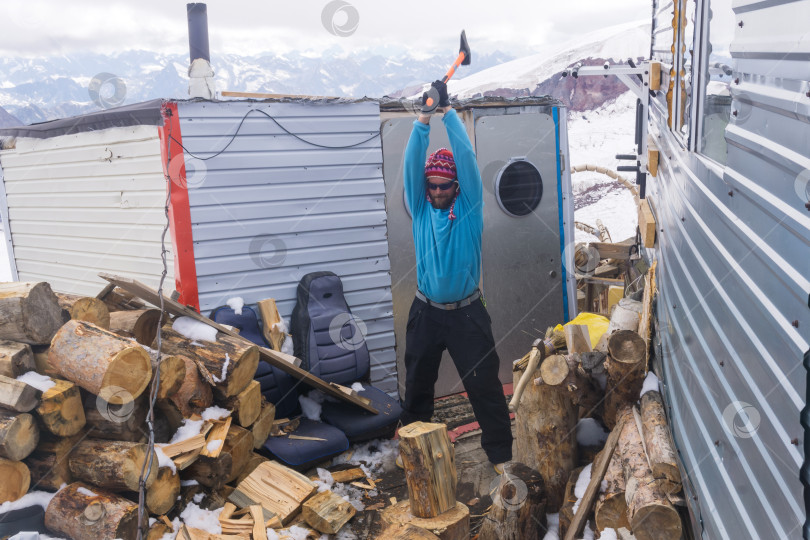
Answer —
625 366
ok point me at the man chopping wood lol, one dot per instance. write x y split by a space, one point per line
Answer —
445 196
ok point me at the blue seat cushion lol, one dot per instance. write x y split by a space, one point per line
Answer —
279 388
302 454
247 322
360 425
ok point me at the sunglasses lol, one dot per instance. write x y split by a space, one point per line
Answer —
442 187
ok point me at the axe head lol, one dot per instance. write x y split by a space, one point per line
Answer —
464 48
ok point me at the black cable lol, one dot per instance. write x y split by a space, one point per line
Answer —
239 127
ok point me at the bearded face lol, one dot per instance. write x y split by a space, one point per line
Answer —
441 192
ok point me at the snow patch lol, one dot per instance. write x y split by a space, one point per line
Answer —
215 413
164 460
357 387
373 457
650 383
206 520
222 375
187 430
310 408
236 304
213 446
42 498
40 382
553 524
583 480
85 491
194 330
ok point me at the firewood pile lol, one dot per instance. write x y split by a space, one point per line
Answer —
569 381
76 376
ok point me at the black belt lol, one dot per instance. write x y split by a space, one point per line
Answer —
452 305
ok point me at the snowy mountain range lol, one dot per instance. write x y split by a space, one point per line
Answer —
39 89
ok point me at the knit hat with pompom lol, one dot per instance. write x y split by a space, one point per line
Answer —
441 163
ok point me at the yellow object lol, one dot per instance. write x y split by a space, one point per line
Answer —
597 325
615 293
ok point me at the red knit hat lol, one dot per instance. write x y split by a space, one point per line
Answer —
441 163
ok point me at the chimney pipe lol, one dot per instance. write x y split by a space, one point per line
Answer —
198 31
201 76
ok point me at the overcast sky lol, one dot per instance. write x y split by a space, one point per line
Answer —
50 27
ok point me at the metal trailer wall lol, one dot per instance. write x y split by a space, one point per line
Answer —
733 248
86 203
271 207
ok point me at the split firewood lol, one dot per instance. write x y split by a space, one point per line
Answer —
429 461
17 396
566 372
113 465
172 374
60 409
254 461
263 424
84 512
15 358
327 512
194 394
570 500
215 440
246 405
125 422
625 372
518 509
157 530
577 338
85 308
611 508
348 475
29 312
284 426
278 489
650 513
48 463
545 434
657 439
41 362
141 325
101 362
454 524
231 362
162 495
16 480
19 435
235 453
406 531
270 318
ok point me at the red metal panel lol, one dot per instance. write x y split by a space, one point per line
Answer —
185 269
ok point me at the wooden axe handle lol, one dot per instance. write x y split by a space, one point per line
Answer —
527 376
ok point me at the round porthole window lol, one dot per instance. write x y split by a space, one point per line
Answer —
518 188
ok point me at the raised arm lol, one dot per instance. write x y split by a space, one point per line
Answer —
414 166
469 177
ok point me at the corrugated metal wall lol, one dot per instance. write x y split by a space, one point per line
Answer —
87 203
734 259
271 208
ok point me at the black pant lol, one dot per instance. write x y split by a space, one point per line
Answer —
467 334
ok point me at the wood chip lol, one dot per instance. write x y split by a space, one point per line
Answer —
217 434
305 438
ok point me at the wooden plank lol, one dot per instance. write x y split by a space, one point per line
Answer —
274 358
577 338
261 95
646 223
644 326
655 76
597 473
608 250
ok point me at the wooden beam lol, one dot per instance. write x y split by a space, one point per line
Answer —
261 95
646 223
608 250
274 358
597 473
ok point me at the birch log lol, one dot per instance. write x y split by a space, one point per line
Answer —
611 508
657 438
113 465
625 372
650 513
101 362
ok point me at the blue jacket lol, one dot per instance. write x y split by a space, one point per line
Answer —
448 252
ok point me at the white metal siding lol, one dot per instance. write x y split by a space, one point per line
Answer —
271 208
87 203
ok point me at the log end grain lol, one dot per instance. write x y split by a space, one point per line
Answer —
16 480
19 435
451 525
554 370
657 522
130 370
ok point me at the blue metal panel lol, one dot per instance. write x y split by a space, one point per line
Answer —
733 248
291 194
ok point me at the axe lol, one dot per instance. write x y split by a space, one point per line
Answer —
463 59
540 350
